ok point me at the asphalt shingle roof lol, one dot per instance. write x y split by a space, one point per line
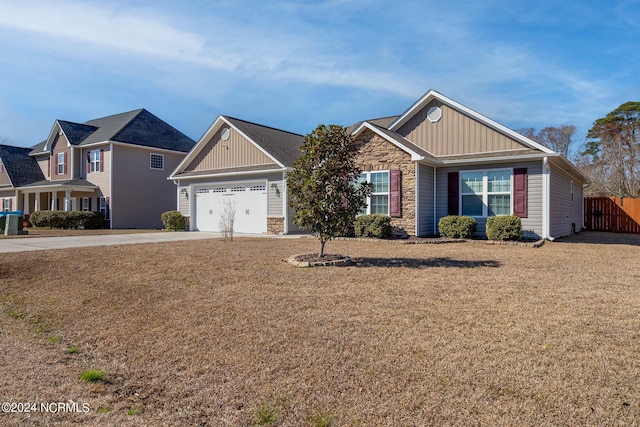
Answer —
137 127
21 168
283 145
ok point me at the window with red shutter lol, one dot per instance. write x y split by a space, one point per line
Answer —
395 193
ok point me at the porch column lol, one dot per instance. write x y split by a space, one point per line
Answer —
54 204
36 205
67 200
25 210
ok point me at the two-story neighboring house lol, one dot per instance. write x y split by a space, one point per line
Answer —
117 165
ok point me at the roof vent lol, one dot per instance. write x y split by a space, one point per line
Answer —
434 114
224 134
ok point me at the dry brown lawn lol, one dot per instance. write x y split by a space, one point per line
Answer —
227 334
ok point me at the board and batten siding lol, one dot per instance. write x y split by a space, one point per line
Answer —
236 151
273 181
455 133
565 215
426 206
531 225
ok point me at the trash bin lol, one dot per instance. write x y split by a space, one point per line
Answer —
3 221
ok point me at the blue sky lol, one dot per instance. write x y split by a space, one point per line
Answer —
296 64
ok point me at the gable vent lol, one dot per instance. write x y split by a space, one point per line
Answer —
434 114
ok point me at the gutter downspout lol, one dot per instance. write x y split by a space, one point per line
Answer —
285 201
435 202
546 198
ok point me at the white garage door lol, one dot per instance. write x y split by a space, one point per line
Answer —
248 199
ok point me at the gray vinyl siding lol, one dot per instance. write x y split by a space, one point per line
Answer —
532 224
564 214
425 201
140 194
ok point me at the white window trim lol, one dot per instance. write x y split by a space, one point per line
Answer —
94 156
572 193
60 164
151 161
385 193
6 205
103 209
85 204
485 191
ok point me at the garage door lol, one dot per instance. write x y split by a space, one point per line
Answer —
248 199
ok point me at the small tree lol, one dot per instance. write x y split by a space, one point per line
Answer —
324 188
227 218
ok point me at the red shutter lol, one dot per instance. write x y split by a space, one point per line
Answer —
101 160
107 206
395 193
454 191
49 166
88 163
10 204
64 157
90 203
520 192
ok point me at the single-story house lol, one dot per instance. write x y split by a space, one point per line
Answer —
437 158
116 165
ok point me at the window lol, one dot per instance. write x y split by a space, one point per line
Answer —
157 161
94 161
104 207
60 163
485 193
6 205
378 202
571 191
86 204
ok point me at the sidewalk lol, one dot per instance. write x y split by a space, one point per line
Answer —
47 243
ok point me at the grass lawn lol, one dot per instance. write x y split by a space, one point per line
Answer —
228 334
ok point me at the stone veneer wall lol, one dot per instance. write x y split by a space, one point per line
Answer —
376 154
275 225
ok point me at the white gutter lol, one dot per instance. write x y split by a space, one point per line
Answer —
546 198
435 214
217 175
285 202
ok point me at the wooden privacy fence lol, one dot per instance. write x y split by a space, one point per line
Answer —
612 214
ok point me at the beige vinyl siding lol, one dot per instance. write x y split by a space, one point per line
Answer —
4 176
8 194
455 133
59 145
425 201
564 214
532 225
43 162
100 179
236 151
139 194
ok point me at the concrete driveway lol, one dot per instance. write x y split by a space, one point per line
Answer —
47 243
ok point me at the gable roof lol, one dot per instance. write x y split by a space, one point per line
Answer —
21 168
281 146
432 94
137 127
383 122
417 153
